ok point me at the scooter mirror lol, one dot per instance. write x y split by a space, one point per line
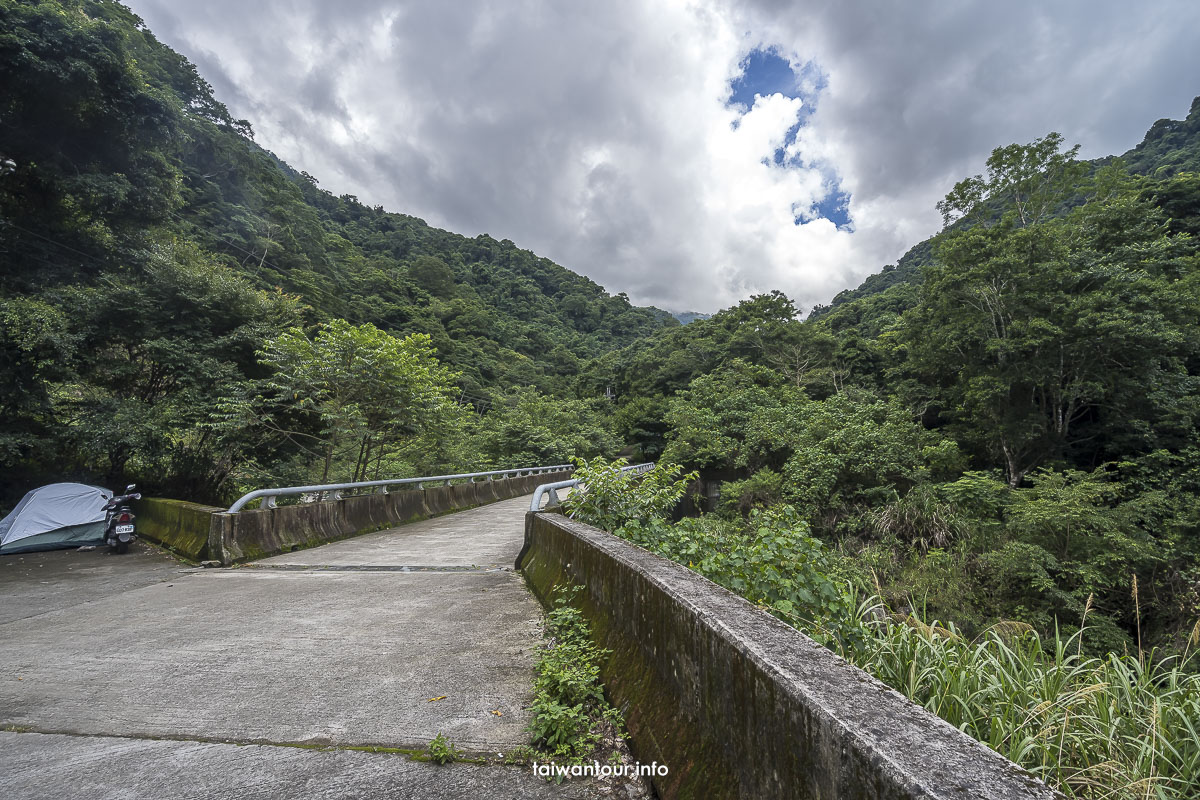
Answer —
129 489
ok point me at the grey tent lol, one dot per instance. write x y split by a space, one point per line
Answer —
55 516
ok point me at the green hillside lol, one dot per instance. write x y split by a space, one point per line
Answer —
151 248
1013 436
1171 147
976 475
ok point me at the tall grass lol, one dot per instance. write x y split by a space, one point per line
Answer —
1120 727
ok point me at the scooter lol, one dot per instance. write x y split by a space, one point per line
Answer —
119 532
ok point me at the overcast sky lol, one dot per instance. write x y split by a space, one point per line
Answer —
688 153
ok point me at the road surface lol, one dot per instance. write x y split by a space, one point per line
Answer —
135 676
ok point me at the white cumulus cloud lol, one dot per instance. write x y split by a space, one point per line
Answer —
599 134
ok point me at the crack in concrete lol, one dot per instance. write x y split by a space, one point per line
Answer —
375 568
412 750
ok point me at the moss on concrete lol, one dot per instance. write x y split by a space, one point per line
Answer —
177 525
739 705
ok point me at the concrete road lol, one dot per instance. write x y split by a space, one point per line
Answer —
34 583
342 645
466 539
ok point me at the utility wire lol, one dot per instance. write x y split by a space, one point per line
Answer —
230 243
87 259
41 260
94 260
48 239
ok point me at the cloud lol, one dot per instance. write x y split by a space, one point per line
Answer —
599 135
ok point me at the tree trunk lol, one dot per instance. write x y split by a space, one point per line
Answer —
364 458
328 460
379 459
1012 465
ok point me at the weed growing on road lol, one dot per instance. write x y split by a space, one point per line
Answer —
570 715
443 751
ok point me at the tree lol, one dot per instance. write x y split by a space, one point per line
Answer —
36 348
156 348
1028 182
851 451
711 422
1031 327
526 428
92 140
350 393
432 275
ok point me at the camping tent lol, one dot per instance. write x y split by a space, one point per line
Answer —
55 516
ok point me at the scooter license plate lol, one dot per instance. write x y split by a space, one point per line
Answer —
123 529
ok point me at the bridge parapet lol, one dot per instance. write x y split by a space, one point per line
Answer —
240 534
738 704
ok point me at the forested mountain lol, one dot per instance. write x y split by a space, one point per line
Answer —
1001 432
690 316
1014 436
1171 147
977 475
151 249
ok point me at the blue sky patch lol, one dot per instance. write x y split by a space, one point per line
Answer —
766 72
763 72
835 207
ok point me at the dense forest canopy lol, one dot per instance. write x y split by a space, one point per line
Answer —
1171 147
1026 412
978 475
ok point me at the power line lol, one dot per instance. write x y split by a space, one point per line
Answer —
87 259
48 239
41 260
229 242
94 260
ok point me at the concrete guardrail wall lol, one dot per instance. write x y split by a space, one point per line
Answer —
738 704
179 526
205 533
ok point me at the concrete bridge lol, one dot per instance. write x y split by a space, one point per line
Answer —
141 677
319 672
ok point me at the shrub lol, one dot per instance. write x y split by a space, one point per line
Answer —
770 559
1117 727
609 497
569 706
763 489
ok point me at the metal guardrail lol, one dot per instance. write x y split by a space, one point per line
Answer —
381 486
551 489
